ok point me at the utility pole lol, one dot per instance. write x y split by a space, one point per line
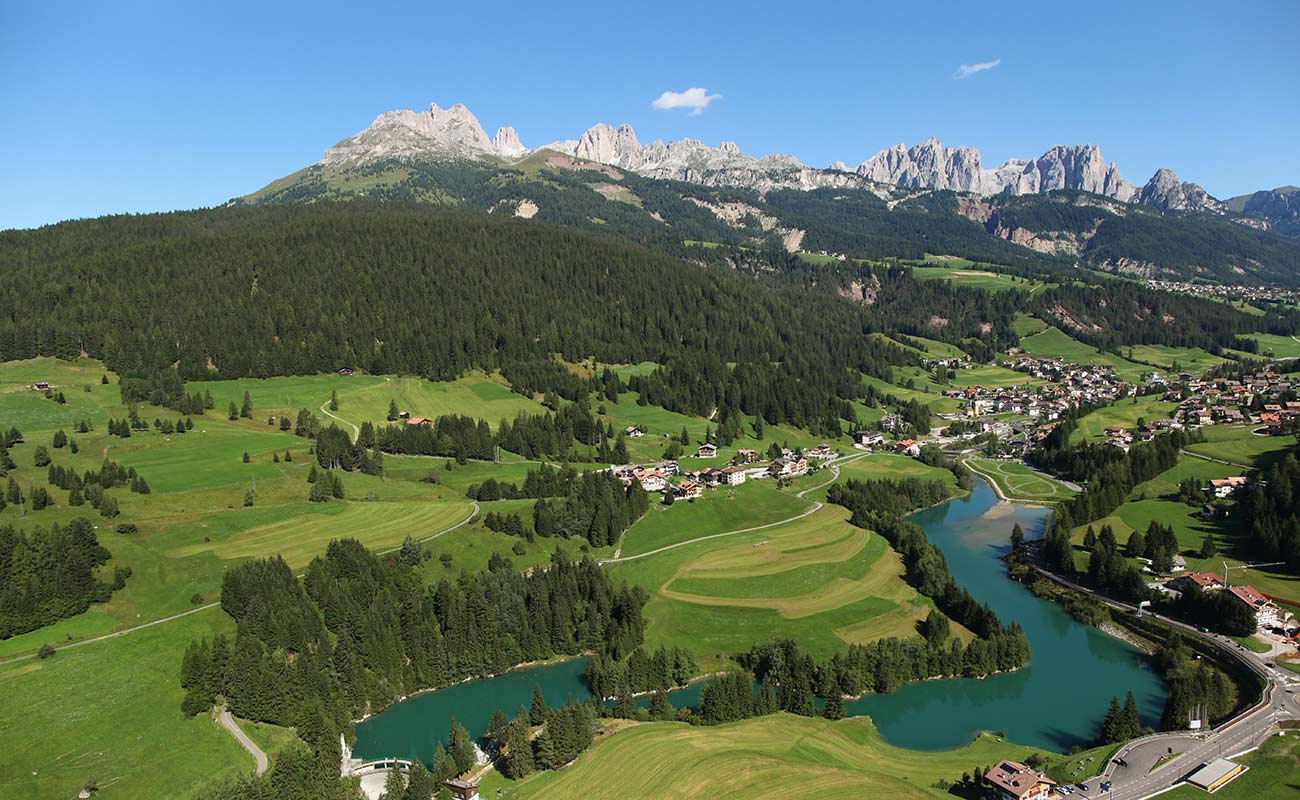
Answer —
1227 575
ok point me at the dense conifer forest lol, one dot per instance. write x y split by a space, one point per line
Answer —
359 631
48 575
1271 515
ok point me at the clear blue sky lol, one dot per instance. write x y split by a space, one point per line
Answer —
132 107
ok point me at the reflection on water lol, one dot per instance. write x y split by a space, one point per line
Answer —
1056 702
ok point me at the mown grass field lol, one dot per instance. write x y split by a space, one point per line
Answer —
110 713
991 376
1236 444
878 466
725 509
367 397
932 348
931 399
1019 483
1026 325
1177 359
661 426
977 279
759 758
379 526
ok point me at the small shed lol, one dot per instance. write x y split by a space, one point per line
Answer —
462 790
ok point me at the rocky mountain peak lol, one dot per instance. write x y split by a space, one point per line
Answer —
456 133
1166 192
507 143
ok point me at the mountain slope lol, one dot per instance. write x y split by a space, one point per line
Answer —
1066 207
456 133
1277 209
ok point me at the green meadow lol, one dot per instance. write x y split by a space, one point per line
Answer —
1236 444
759 759
1125 413
1052 342
725 509
109 713
1156 500
367 397
1274 346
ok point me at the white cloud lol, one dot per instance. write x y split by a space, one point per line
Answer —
696 99
967 70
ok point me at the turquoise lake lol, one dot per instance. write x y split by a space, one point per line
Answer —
1056 702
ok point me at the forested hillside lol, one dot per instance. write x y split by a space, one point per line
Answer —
1017 231
419 290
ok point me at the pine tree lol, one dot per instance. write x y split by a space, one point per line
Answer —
394 785
834 706
233 411
538 712
1208 547
392 411
420 784
461 747
444 766
334 400
1017 538
246 410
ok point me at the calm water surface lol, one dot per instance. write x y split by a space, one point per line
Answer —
1056 702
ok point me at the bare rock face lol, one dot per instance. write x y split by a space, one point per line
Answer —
450 133
454 133
928 165
507 145
1076 167
1166 192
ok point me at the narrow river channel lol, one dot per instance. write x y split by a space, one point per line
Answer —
1056 702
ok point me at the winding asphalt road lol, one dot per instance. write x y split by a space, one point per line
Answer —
324 409
228 722
1136 778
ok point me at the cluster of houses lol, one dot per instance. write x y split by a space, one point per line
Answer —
1261 398
1248 294
669 478
1258 399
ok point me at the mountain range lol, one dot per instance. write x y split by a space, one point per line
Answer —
456 133
1068 206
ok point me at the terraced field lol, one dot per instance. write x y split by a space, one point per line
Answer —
817 579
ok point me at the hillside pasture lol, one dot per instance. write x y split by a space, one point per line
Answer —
721 596
758 759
